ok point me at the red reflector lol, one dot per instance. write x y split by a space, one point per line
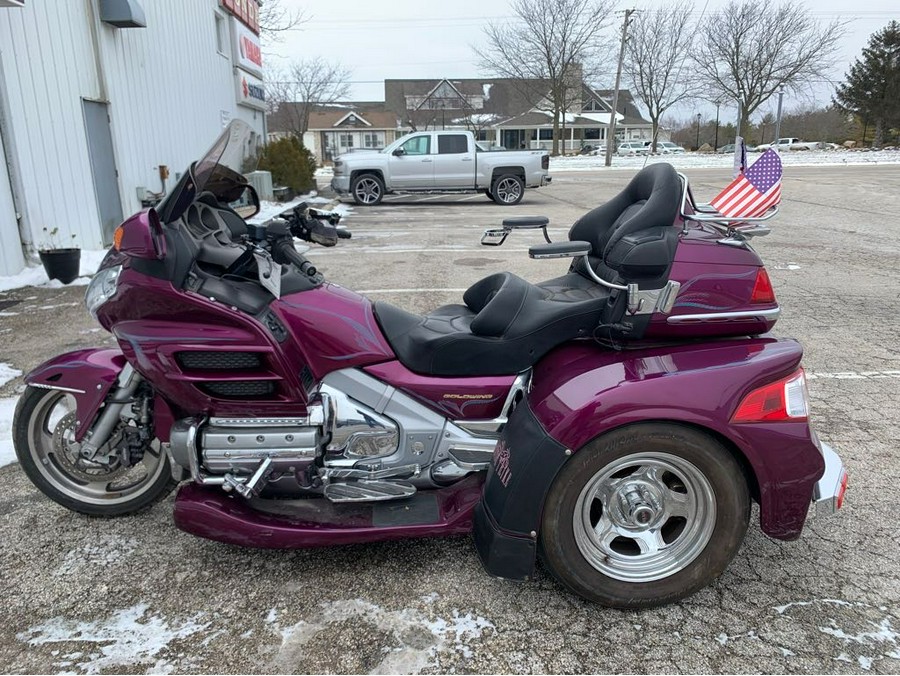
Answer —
762 289
785 399
840 495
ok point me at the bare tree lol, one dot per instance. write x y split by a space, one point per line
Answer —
655 54
307 83
750 49
275 19
548 41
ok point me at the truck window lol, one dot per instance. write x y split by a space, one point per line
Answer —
452 144
418 145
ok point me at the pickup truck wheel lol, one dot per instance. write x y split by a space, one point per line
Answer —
367 190
489 194
507 189
644 516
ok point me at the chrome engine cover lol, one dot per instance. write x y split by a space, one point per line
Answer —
239 446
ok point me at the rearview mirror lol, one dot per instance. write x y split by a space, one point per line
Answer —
398 152
247 205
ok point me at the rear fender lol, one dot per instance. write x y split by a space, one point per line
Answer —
581 392
88 375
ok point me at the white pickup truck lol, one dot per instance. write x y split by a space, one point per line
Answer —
439 161
791 143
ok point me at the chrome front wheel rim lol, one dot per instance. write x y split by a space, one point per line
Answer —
644 517
508 190
55 453
367 190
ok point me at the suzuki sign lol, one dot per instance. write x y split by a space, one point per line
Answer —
250 90
245 47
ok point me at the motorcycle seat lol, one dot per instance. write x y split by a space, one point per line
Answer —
505 326
508 324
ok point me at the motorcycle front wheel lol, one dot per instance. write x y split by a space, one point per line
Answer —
644 516
43 436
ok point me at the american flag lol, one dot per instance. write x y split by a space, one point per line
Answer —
753 192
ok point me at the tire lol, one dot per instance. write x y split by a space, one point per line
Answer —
507 189
367 190
489 195
41 423
671 505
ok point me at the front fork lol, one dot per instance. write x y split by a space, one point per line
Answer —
121 394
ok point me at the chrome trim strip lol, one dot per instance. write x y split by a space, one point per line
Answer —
744 314
56 387
259 422
492 427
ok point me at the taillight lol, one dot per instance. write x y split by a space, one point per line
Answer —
762 288
545 162
786 399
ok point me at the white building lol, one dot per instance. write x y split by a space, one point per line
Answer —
100 98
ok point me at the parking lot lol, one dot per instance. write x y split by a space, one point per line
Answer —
136 595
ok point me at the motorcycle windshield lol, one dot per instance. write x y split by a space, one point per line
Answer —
220 171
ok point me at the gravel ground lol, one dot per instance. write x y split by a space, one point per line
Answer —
135 595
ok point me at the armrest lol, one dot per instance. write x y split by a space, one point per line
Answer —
560 250
526 222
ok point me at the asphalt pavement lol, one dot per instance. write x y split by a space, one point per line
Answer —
135 595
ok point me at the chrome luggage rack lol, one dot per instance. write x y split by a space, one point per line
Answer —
735 235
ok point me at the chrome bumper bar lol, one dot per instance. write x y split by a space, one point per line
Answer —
828 492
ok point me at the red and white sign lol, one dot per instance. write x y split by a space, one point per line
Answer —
245 10
246 48
250 90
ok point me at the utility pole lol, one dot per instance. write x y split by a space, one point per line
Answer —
611 131
778 118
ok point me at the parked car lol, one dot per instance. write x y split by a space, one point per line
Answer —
440 161
728 148
632 148
664 147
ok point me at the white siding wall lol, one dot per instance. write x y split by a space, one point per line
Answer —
167 87
48 66
10 250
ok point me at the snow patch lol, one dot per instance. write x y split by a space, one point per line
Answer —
131 636
7 410
7 373
797 604
812 158
101 552
34 275
418 638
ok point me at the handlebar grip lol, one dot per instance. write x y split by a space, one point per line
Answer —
286 250
343 233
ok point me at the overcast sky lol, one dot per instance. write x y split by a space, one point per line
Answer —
420 39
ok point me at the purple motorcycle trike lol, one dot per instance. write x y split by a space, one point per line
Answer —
615 421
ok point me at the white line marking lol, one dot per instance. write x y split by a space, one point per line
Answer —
854 375
433 197
472 197
412 290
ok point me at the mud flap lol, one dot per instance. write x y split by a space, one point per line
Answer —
508 518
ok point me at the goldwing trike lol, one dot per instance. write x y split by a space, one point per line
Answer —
615 421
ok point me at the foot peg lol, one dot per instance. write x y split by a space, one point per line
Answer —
365 490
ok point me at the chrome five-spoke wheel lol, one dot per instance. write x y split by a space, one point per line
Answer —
368 190
645 515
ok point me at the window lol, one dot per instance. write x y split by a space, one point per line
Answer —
545 134
418 145
594 107
346 140
592 134
221 35
373 140
452 144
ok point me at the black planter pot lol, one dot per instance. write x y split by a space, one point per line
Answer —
61 264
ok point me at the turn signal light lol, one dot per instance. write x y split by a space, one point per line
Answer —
762 288
786 399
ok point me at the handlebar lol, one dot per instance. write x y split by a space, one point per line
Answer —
283 250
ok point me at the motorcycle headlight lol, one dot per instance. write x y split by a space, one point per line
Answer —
101 288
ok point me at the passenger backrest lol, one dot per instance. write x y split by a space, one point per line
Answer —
651 199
